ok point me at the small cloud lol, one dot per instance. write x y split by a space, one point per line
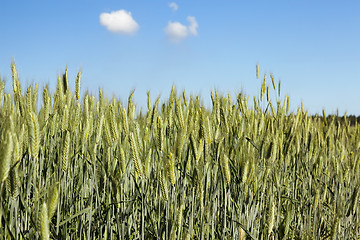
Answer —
173 6
176 31
119 22
193 25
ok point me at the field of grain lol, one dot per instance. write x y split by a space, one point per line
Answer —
88 167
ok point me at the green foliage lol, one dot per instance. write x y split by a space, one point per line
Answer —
95 169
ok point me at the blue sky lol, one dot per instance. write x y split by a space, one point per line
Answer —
313 47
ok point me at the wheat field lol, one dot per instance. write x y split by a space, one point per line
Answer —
89 167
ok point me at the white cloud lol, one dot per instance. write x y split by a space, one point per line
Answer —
193 25
119 22
176 31
173 6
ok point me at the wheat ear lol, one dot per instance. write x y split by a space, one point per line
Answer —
5 160
171 169
66 152
44 222
135 154
77 87
226 168
52 200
